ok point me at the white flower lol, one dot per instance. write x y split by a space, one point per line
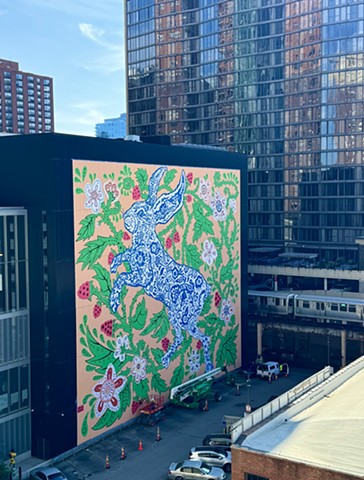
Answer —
227 310
95 196
209 253
218 204
121 342
232 204
204 190
107 392
194 361
138 370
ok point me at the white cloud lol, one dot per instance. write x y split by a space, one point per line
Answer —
109 62
91 32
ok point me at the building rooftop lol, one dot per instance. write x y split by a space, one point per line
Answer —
328 433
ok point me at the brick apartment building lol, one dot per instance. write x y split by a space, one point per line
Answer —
26 101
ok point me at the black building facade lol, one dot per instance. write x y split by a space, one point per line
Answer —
37 175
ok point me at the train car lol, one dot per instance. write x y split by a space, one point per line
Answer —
330 309
321 308
271 303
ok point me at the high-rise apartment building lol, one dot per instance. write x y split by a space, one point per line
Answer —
26 100
281 81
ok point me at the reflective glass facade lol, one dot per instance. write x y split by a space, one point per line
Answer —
14 334
281 81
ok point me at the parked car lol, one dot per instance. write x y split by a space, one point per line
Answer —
222 440
268 370
47 473
194 470
213 456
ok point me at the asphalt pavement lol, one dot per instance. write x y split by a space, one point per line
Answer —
148 452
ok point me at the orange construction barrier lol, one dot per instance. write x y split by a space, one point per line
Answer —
158 437
140 445
107 463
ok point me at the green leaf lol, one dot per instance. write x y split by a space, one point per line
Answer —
138 320
180 218
142 177
193 257
157 354
206 306
158 324
202 224
84 173
84 428
169 177
88 227
177 376
158 383
78 190
86 353
227 272
227 352
141 389
94 250
106 420
103 277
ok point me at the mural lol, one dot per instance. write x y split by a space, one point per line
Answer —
158 283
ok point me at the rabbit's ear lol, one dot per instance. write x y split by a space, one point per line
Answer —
154 185
168 204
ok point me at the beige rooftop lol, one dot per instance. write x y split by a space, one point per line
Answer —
328 433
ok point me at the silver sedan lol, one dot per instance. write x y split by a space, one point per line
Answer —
194 470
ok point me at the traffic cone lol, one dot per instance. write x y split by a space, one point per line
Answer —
140 445
123 456
206 406
158 435
107 463
237 391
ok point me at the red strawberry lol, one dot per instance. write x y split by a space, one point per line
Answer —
190 177
134 407
84 291
97 311
107 327
199 345
176 238
217 299
168 242
189 198
126 236
136 193
110 258
165 344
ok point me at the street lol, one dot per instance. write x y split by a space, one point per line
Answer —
147 456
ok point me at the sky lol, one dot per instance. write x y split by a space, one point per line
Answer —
80 44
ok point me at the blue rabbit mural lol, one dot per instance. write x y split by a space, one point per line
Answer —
182 289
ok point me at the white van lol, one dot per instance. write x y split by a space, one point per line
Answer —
268 369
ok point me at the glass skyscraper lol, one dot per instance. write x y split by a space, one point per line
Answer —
281 81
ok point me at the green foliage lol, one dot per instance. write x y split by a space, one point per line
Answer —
158 326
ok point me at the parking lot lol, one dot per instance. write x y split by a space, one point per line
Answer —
148 455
